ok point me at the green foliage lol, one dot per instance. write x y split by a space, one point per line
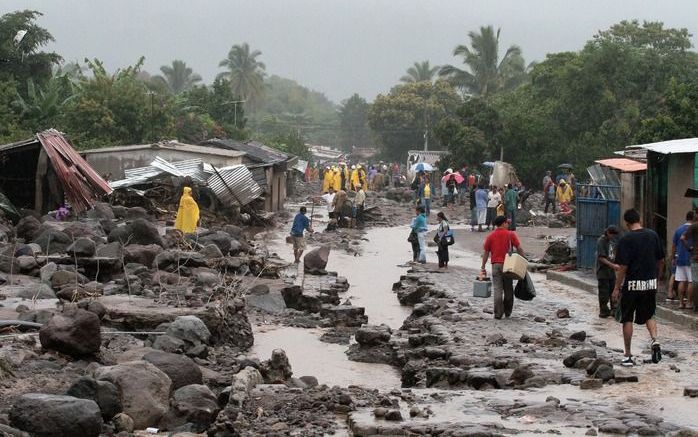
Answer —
43 106
400 119
677 118
486 74
218 104
117 109
24 60
353 123
177 78
245 73
420 71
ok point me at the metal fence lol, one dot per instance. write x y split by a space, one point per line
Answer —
598 206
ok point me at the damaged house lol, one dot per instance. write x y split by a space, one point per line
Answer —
270 168
44 172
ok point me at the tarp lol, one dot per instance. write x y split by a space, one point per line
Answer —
503 174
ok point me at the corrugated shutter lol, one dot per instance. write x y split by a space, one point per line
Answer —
237 179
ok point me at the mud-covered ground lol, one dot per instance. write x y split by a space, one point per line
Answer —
398 350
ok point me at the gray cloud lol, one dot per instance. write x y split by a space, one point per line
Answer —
336 47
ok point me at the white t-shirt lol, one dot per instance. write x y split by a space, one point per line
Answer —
493 199
329 198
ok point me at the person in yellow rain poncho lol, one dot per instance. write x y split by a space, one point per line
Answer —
354 178
362 177
564 196
326 180
336 179
188 213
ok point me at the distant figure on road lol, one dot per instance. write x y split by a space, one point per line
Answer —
481 205
419 226
301 223
564 196
441 240
188 213
606 269
511 204
497 245
493 201
640 256
681 261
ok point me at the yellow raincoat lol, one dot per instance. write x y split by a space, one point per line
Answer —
354 179
337 179
326 179
188 213
564 192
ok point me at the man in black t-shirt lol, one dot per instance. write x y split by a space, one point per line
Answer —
640 256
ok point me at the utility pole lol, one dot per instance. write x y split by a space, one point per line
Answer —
235 109
426 128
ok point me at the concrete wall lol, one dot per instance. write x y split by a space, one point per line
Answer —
118 161
680 177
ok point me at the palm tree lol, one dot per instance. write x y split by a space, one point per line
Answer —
420 71
177 78
43 105
245 72
486 74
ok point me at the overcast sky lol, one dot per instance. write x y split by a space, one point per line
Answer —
336 47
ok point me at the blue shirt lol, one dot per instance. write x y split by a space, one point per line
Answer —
419 224
683 257
300 223
481 198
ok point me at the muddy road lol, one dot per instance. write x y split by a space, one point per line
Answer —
469 379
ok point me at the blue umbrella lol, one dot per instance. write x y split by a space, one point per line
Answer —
422 166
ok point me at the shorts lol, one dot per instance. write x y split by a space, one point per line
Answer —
637 306
694 270
298 242
683 274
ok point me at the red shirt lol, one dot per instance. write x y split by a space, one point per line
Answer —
497 243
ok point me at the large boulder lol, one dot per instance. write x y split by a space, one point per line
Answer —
82 247
61 278
109 250
8 262
90 229
141 254
139 231
103 392
195 404
44 415
371 335
243 382
143 388
316 259
101 210
53 241
27 228
74 332
182 370
189 329
221 239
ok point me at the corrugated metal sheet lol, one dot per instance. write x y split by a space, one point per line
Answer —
81 183
593 217
301 166
623 164
685 145
429 156
237 179
191 167
607 181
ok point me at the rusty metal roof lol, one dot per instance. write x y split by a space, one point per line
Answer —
81 183
234 185
623 164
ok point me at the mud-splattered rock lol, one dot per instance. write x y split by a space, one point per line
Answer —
570 360
195 404
46 415
371 335
604 372
74 332
104 393
277 370
578 336
563 313
691 392
143 388
181 369
316 259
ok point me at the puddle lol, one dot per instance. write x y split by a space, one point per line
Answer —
327 362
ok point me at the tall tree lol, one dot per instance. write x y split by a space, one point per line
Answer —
245 73
486 73
401 118
353 123
177 77
420 71
21 40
